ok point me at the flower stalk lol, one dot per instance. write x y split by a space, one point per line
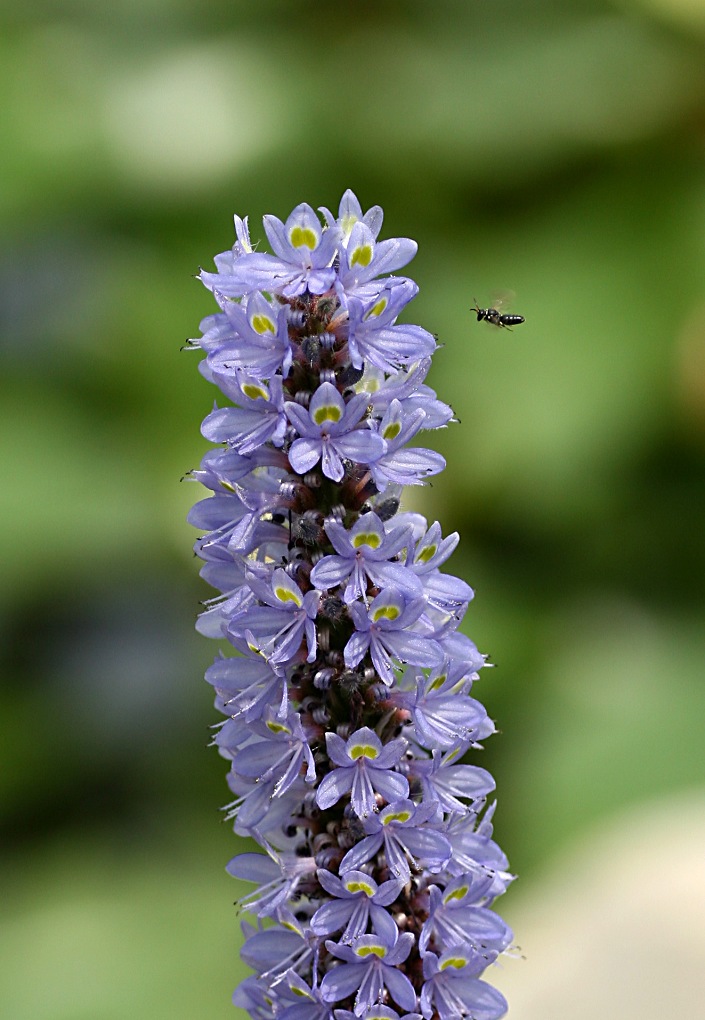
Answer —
348 704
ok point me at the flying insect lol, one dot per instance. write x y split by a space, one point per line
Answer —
497 317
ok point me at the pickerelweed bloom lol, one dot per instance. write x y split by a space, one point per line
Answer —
348 697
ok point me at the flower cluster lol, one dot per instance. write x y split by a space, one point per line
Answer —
349 702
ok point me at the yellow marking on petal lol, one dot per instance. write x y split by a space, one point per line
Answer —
385 613
400 816
285 595
392 430
363 751
369 538
427 554
253 391
347 223
292 927
227 485
455 961
303 237
356 886
361 256
329 412
453 755
301 992
457 894
369 385
370 951
377 308
276 727
263 324
438 682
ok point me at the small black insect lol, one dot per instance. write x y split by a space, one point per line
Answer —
496 317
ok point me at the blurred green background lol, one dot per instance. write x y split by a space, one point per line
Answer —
553 148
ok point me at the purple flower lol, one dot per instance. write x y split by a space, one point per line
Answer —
458 917
259 419
278 875
299 1001
406 833
374 1013
247 686
303 256
398 464
362 258
357 901
253 337
329 431
408 388
366 555
453 990
347 696
364 767
447 784
374 338
370 967
474 852
443 712
282 622
385 630
276 749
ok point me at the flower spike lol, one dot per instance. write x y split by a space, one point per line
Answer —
347 693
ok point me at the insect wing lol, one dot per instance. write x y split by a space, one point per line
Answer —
502 300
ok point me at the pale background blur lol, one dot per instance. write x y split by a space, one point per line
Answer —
556 149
